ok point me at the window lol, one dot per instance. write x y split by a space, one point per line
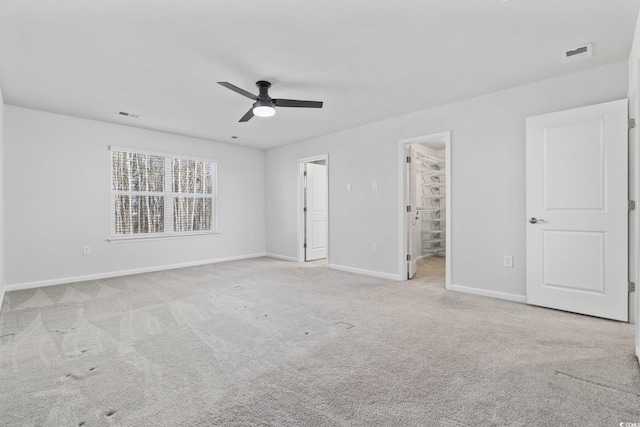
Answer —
160 195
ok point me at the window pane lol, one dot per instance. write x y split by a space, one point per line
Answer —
192 176
137 172
192 213
139 214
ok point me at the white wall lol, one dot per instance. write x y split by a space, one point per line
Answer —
58 200
488 180
634 152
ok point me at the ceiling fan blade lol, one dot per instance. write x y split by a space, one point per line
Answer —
297 103
238 90
247 116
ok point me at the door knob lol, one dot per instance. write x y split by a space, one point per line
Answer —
534 220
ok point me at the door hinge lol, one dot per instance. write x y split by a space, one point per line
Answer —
408 159
304 210
305 173
632 205
409 208
305 246
632 287
632 123
408 257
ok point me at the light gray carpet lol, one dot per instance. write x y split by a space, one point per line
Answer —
271 343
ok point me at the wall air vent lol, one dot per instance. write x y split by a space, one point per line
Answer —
130 115
578 53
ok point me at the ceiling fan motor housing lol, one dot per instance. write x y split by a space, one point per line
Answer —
263 87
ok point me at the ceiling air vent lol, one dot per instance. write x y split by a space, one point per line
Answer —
130 115
578 53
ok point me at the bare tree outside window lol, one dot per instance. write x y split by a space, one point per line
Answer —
193 183
142 203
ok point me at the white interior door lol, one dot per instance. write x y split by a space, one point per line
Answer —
412 214
316 214
577 210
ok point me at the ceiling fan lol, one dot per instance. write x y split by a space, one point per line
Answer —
265 106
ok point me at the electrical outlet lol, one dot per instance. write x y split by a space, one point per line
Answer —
348 187
374 247
374 185
508 261
86 250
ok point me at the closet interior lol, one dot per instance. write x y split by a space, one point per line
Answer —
430 183
427 192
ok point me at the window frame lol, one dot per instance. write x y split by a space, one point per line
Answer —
168 195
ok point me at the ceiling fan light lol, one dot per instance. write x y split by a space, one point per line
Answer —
263 110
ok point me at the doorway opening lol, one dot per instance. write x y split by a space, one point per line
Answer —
426 207
313 229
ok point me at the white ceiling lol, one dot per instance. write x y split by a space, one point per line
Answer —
367 60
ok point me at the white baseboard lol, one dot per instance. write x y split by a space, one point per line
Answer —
282 257
64 280
487 293
365 272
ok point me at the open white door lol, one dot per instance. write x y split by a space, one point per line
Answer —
577 210
412 213
316 212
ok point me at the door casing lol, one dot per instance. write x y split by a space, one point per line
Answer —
634 166
403 224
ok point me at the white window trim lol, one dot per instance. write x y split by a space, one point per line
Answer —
125 238
168 201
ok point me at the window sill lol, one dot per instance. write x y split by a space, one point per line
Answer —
166 236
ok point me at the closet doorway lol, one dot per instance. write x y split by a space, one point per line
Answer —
314 210
426 224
